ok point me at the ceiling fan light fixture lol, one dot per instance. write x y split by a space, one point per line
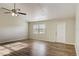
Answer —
16 15
13 14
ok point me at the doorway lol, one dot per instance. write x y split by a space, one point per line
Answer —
61 32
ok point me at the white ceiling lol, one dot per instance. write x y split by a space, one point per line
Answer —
44 11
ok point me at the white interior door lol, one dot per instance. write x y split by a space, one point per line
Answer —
61 29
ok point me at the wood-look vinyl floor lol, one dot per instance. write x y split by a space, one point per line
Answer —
37 48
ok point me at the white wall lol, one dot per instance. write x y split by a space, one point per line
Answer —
51 30
77 30
12 28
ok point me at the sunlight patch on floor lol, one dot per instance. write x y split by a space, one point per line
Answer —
4 51
7 49
17 46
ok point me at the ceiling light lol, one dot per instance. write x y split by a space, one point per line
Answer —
16 15
13 14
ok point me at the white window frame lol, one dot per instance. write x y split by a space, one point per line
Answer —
39 28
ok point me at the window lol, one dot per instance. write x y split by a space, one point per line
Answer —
35 29
39 28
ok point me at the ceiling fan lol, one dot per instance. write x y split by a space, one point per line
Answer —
14 11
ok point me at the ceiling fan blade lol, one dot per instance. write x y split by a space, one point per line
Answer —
7 12
6 9
22 13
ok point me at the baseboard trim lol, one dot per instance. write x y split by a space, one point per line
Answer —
53 41
12 41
